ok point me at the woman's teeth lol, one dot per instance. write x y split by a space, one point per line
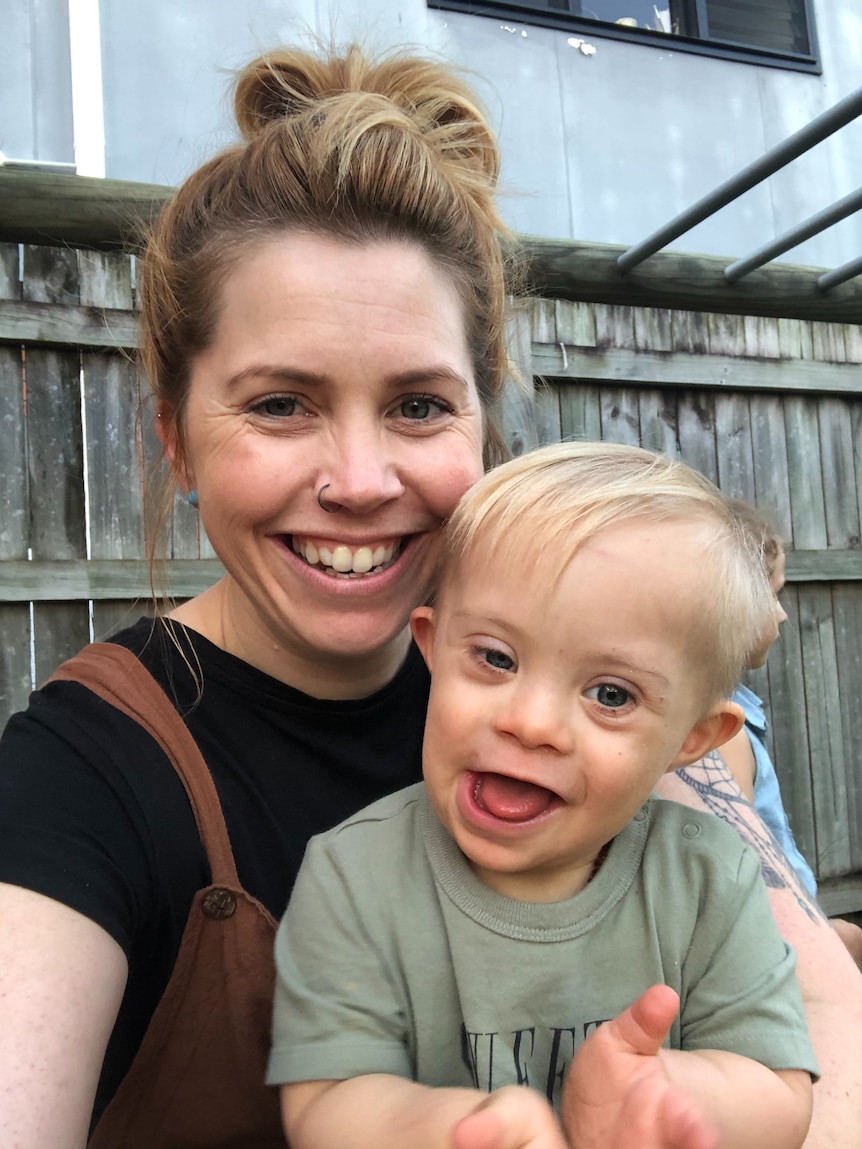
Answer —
345 560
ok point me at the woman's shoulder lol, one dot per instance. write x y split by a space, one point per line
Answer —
90 806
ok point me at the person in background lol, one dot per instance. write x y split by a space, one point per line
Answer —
747 754
322 327
458 940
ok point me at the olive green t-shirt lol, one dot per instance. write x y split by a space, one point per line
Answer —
394 958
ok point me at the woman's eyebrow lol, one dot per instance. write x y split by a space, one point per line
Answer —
418 376
287 374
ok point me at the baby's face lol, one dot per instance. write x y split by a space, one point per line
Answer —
776 582
556 707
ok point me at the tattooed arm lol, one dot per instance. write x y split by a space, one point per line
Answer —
830 982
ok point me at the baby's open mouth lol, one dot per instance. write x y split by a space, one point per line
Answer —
343 561
511 799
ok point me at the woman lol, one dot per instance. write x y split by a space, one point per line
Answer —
322 326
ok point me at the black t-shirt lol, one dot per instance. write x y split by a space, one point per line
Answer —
93 814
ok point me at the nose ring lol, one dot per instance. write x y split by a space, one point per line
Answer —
333 507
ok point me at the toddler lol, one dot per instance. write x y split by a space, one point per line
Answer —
531 914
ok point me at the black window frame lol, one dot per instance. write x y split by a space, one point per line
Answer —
598 29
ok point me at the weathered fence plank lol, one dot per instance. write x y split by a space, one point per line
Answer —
549 427
788 729
828 765
105 280
13 521
517 404
805 474
10 286
735 454
620 415
769 462
838 479
57 514
580 413
658 420
55 455
847 609
696 423
111 402
50 275
14 619
576 324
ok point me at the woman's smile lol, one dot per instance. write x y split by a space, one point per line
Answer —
346 560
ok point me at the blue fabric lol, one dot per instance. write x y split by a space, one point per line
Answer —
767 794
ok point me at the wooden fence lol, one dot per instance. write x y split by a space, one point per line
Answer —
768 407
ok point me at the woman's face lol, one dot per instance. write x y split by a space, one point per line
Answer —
337 364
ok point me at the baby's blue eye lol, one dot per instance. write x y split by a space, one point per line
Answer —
611 696
498 659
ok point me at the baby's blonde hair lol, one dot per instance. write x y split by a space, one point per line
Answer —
551 501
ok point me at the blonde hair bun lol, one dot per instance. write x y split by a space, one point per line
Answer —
397 90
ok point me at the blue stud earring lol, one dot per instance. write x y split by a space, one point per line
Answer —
193 497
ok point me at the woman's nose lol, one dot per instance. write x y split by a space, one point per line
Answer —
361 473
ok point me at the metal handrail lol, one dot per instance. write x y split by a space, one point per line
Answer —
795 145
796 235
840 274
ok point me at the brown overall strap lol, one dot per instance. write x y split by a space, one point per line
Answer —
119 678
198 1076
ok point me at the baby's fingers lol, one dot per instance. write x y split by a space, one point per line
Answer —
511 1118
643 1026
657 1116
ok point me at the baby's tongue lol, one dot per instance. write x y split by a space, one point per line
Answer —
509 798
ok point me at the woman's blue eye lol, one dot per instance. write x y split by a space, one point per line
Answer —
420 407
279 406
611 696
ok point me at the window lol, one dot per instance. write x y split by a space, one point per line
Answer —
779 33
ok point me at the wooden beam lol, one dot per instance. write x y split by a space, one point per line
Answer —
54 324
76 211
588 272
66 581
52 208
615 366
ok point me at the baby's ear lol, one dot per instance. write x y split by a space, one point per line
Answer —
422 625
721 723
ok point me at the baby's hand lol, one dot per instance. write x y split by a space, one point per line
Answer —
617 1094
511 1118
